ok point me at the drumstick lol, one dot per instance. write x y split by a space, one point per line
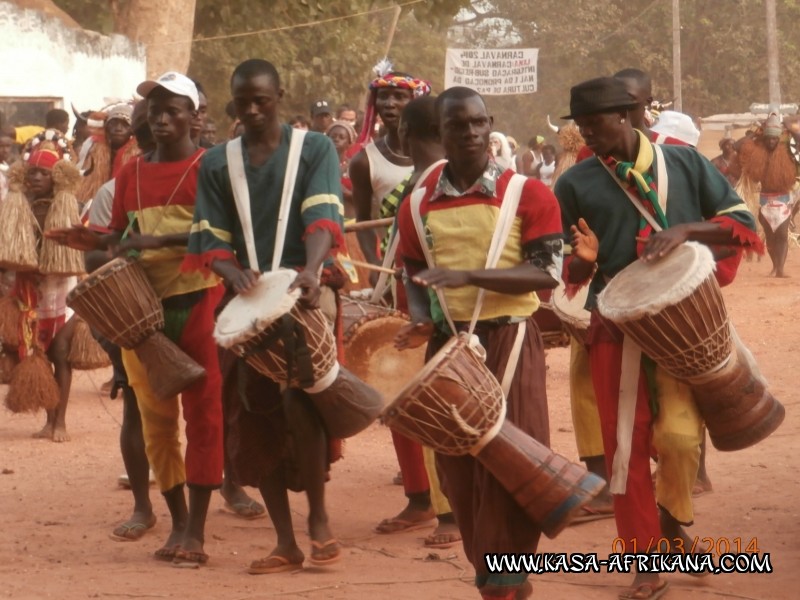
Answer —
361 225
366 265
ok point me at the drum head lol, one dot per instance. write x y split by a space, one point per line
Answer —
371 355
571 309
646 288
249 314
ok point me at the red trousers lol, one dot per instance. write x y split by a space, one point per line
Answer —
635 511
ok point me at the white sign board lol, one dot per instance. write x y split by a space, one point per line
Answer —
492 72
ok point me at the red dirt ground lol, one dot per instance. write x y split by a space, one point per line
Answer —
59 502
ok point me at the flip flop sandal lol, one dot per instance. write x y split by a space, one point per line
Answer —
645 591
189 560
430 543
132 531
166 553
317 549
281 565
394 525
241 510
587 515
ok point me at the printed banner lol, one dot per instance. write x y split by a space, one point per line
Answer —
492 72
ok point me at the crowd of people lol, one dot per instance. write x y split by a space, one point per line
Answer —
150 180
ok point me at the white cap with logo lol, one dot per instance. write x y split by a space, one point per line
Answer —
174 82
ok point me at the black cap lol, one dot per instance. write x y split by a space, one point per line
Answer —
320 107
600 95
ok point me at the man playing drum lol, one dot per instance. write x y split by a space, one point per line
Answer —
154 200
608 233
460 208
267 436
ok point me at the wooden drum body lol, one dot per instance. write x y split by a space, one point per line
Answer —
456 407
550 326
369 352
270 329
674 310
118 302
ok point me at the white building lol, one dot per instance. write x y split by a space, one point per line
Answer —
50 62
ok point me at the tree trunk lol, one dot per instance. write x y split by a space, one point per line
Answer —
165 27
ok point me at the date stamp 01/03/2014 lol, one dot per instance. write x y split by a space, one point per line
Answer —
703 555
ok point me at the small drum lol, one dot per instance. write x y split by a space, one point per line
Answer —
550 326
455 406
369 351
118 302
574 317
272 331
674 310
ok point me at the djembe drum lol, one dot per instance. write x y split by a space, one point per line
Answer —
118 302
574 317
550 326
369 352
674 310
295 347
455 406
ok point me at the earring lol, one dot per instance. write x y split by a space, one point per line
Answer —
622 120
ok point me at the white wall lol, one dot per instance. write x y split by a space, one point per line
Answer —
42 57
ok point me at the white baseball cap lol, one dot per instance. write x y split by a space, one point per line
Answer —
677 125
173 81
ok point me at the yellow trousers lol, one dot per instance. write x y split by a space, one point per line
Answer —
585 418
677 432
160 426
438 500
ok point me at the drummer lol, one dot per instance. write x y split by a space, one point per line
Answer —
264 439
608 233
460 208
154 197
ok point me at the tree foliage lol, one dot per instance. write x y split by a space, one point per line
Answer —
723 51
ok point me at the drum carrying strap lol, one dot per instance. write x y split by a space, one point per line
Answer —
631 352
394 241
505 220
241 196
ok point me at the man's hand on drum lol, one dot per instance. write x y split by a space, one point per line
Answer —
239 280
584 242
662 243
77 237
440 277
308 282
413 335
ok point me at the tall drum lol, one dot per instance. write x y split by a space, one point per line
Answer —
118 302
455 406
295 347
673 308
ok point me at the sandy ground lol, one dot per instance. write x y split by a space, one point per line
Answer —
59 502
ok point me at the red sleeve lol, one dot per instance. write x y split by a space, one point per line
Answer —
119 212
539 211
584 153
409 247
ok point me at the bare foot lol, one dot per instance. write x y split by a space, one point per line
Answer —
60 434
45 434
240 504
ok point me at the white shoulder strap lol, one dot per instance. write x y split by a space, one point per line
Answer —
289 179
416 217
394 241
241 197
662 179
505 220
